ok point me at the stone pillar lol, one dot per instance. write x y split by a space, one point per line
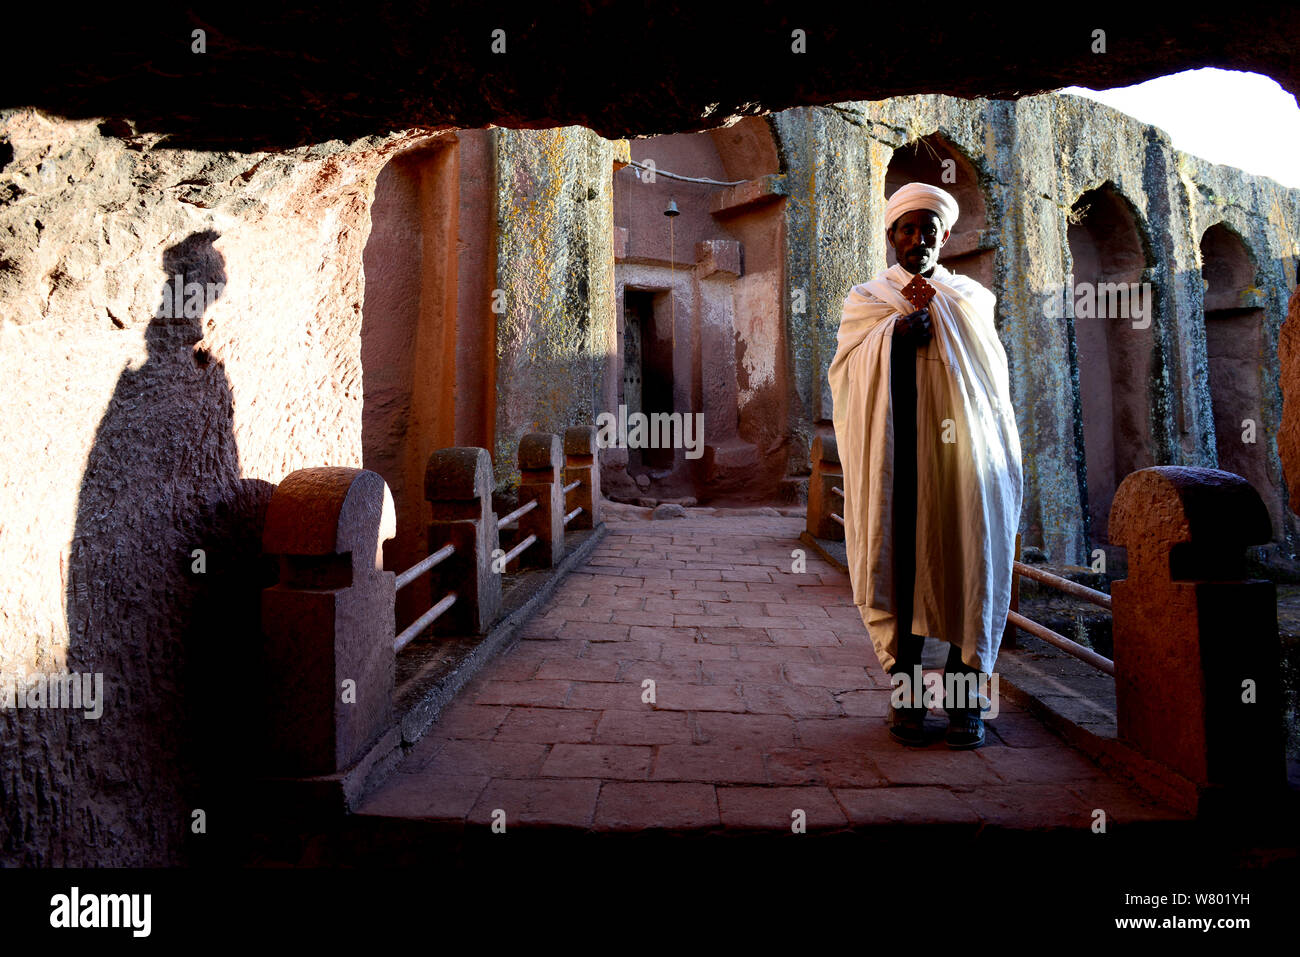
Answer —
540 467
729 461
329 621
458 484
581 464
826 474
1196 647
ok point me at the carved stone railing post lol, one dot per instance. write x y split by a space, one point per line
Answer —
541 463
822 500
582 465
1196 646
458 484
328 623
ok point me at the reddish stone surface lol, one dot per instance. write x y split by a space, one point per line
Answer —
923 805
538 803
549 725
744 730
323 624
774 808
432 796
1288 439
638 806
1187 624
720 763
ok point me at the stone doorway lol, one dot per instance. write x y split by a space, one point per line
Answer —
648 349
699 258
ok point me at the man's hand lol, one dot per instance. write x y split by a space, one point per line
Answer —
914 328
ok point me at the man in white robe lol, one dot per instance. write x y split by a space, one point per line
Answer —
929 525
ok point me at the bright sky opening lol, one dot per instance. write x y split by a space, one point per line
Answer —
1225 116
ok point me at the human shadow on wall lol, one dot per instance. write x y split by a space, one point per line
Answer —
171 630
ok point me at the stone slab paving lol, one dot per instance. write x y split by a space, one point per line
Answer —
768 701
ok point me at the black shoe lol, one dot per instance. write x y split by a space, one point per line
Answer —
907 725
965 730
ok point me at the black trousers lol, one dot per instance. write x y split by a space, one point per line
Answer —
902 377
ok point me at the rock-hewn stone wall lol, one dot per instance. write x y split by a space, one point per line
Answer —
1034 158
555 270
132 437
135 434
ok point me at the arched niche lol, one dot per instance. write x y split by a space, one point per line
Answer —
936 162
1234 349
1114 344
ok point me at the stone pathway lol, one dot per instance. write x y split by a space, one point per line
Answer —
768 700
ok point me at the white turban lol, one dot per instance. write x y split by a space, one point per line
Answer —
921 196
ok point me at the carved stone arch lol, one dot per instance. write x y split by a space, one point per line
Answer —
937 161
1111 255
1235 350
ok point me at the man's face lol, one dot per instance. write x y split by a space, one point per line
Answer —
916 237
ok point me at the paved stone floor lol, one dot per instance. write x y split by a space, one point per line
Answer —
768 700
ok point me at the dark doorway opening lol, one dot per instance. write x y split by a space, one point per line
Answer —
648 367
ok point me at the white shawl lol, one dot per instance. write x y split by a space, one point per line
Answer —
968 488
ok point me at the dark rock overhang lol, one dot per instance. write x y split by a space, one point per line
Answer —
277 78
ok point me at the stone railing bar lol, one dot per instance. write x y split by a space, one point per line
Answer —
1064 584
514 516
518 550
1016 620
423 622
419 568
1100 662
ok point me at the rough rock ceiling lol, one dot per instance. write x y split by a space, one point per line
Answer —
278 78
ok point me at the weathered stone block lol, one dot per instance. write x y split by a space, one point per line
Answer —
1196 649
458 484
581 464
329 622
714 256
540 467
